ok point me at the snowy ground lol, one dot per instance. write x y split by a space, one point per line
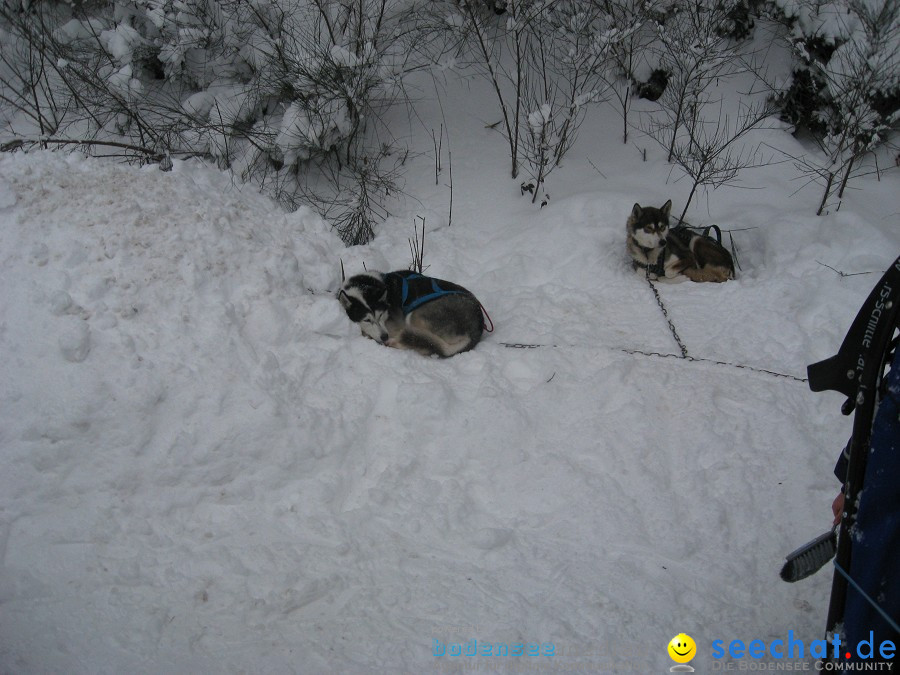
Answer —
207 469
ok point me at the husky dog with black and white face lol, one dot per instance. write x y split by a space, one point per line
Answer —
670 252
406 310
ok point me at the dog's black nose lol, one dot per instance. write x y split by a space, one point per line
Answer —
384 337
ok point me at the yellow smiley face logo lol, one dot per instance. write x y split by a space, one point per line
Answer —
682 648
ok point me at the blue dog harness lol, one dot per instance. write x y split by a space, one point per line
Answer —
417 289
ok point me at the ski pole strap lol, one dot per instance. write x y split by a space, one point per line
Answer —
884 615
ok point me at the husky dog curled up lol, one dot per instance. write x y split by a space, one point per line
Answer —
668 252
407 310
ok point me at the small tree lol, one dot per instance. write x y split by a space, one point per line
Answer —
27 83
846 91
710 152
476 34
696 50
863 79
559 81
543 64
288 94
574 54
696 53
627 35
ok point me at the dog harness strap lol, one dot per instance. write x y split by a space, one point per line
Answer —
716 229
658 268
683 234
425 289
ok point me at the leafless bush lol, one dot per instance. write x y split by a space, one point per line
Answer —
27 83
696 54
867 63
627 35
543 62
280 93
417 248
710 152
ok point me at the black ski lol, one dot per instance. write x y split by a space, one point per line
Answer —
856 371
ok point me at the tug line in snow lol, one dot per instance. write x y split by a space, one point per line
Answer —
681 346
695 359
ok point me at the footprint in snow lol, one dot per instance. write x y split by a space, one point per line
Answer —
75 340
489 538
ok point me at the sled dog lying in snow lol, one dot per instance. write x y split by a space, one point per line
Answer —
668 252
407 310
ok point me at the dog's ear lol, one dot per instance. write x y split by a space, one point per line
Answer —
667 208
344 299
636 211
355 309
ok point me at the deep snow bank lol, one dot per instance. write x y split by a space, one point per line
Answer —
206 468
